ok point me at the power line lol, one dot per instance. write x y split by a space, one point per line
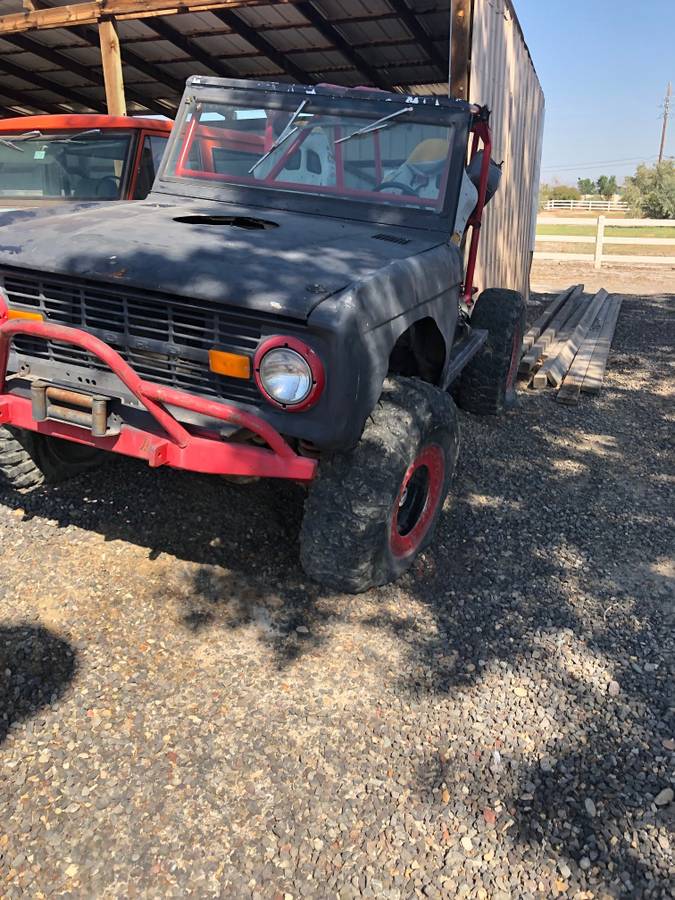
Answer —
666 113
595 165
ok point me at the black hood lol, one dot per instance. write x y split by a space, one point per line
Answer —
273 261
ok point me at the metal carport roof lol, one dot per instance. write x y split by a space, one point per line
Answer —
382 43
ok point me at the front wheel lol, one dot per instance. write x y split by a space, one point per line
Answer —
28 459
371 511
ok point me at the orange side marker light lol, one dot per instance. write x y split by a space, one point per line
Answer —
234 365
24 314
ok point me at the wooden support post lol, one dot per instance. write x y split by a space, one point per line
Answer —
112 67
461 12
599 238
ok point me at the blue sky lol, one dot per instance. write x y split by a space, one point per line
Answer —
604 66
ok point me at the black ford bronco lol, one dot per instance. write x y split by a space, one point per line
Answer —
290 301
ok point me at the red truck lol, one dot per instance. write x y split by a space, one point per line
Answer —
46 160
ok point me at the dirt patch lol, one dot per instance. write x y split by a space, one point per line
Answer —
617 279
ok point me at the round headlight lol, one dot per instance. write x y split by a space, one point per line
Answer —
286 376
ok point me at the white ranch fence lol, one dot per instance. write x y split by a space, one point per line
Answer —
598 257
594 204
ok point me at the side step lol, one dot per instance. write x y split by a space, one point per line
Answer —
464 351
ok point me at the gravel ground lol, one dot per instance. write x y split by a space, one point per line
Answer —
183 714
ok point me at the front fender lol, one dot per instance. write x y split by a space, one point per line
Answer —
369 318
406 291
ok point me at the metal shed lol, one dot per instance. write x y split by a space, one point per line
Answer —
135 55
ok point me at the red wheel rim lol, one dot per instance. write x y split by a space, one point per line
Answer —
515 354
417 501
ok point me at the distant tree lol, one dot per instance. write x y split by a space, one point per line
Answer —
651 191
544 193
587 186
558 192
607 186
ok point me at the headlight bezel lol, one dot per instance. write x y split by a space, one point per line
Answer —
309 356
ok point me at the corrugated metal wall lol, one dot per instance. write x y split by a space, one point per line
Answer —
503 77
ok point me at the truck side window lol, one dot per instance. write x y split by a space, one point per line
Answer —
151 156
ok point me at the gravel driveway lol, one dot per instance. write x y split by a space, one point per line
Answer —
183 714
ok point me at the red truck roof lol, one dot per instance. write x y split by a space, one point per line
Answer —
69 121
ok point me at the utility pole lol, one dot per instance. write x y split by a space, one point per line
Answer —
666 113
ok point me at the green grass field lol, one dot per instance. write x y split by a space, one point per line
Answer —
610 231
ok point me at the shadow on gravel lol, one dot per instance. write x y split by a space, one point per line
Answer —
556 535
36 668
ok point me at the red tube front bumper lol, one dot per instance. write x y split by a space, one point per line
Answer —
176 446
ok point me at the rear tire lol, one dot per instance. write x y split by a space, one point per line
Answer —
372 510
487 386
28 460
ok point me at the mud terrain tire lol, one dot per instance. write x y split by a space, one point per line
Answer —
370 511
28 460
487 386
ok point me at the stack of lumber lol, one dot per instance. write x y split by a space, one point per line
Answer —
568 346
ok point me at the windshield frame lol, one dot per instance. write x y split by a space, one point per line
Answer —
64 133
371 105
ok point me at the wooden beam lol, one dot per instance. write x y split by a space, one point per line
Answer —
461 12
236 24
596 369
555 368
554 348
112 67
87 73
92 11
548 336
190 47
39 80
141 65
421 35
571 386
537 327
90 36
331 34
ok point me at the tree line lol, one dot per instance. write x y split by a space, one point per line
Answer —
649 193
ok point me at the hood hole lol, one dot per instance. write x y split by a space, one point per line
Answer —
249 223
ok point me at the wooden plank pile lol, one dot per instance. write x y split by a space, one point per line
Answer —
568 346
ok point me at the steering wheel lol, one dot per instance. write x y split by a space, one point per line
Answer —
108 187
397 185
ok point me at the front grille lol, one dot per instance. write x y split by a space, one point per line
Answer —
166 339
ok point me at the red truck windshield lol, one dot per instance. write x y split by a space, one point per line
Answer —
389 158
68 165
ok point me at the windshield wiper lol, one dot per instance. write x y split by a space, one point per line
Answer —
76 137
284 136
26 136
376 125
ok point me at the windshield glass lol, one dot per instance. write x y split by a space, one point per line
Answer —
70 165
388 157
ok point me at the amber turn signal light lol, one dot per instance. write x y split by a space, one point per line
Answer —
24 314
234 365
